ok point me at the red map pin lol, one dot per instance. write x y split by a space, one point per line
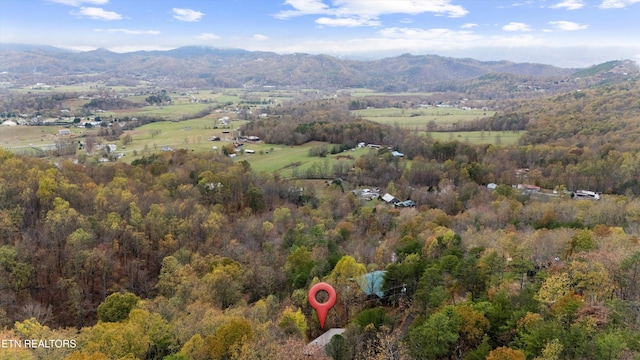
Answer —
322 309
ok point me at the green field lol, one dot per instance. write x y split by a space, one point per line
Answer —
363 92
287 160
480 137
168 112
190 134
419 118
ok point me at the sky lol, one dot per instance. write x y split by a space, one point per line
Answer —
567 33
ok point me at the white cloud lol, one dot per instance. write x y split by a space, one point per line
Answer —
569 4
412 7
207 36
469 26
303 7
440 35
567 25
129 31
260 37
79 2
516 26
187 15
348 22
617 4
366 12
97 13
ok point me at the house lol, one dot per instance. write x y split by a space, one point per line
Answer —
366 194
585 194
528 188
111 148
389 198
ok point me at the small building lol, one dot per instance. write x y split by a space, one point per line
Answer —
111 148
528 188
585 194
388 198
248 151
64 132
397 154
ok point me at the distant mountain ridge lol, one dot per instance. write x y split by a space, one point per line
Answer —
199 66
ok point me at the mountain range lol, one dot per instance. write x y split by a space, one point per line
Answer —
197 66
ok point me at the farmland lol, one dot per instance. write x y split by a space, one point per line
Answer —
438 118
418 118
479 137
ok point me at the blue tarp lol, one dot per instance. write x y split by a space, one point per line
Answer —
371 283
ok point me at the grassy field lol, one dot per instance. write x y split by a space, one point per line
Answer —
190 134
87 87
480 137
418 118
363 92
14 137
286 160
169 112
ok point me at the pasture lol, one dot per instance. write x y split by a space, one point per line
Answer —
291 160
16 137
480 137
364 92
419 118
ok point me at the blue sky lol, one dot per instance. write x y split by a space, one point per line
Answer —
570 33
